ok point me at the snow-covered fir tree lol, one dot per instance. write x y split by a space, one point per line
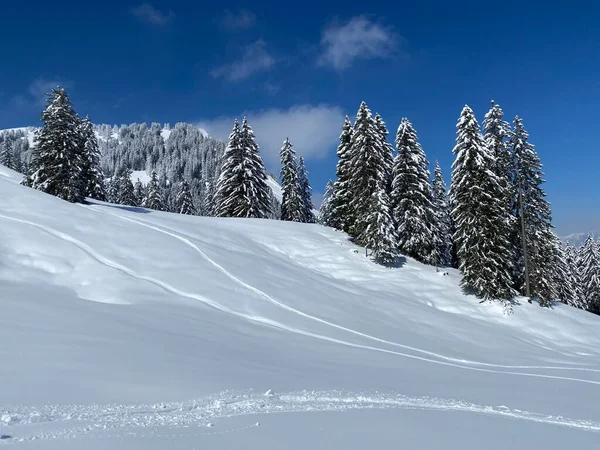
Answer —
153 198
57 162
589 274
112 189
571 258
184 202
139 192
412 198
291 204
126 195
566 280
93 175
380 235
483 248
443 220
342 215
306 205
496 136
529 197
368 170
326 211
242 189
6 154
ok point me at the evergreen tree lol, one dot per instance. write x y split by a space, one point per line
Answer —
242 189
576 299
6 154
565 277
412 198
483 248
126 193
93 175
113 189
326 211
292 201
139 192
306 206
57 160
368 169
496 136
539 238
379 235
589 275
342 215
443 220
184 202
387 152
153 198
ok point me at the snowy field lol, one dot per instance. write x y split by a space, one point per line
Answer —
123 328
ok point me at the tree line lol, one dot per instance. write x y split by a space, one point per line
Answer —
494 224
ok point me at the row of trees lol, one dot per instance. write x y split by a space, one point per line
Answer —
494 225
67 162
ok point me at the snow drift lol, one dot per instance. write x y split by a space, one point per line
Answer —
131 328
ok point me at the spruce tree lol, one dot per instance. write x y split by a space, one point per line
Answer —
184 202
126 194
93 175
112 191
326 211
242 189
412 198
589 275
565 278
443 220
367 170
153 198
139 192
57 159
483 249
380 236
292 202
571 258
537 217
306 204
6 154
343 217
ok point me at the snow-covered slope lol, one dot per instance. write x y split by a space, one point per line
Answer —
125 328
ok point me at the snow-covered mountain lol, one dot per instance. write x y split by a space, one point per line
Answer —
577 239
125 328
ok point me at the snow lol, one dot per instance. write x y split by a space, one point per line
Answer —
29 132
125 328
166 134
141 175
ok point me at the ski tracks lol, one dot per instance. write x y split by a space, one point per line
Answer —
441 359
102 421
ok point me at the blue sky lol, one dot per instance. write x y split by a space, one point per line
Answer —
297 69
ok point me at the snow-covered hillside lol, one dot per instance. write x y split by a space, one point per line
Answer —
125 328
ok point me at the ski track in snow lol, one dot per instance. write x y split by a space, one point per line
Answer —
116 420
259 319
183 237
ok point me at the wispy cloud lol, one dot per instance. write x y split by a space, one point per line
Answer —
312 129
35 96
237 21
149 14
255 58
360 38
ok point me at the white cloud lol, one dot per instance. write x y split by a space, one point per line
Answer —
151 15
237 21
313 130
36 92
255 59
359 38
